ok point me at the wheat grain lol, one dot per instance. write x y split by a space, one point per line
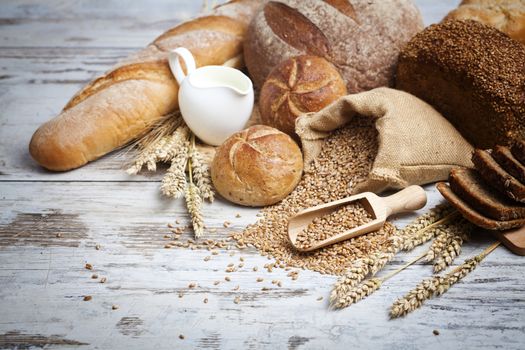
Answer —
194 205
436 285
201 173
356 294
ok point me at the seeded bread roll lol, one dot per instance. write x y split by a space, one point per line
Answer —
361 38
124 103
296 86
473 74
505 15
258 166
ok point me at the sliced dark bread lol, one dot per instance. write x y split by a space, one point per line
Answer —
472 215
470 187
504 157
518 151
497 177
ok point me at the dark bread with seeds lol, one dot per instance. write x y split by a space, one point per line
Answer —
518 151
471 73
474 216
496 176
504 157
469 186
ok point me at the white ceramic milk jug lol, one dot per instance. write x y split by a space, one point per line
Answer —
215 101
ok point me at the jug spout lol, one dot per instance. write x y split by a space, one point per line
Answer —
222 77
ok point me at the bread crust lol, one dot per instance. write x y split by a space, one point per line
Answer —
125 102
472 215
298 85
258 166
361 38
507 16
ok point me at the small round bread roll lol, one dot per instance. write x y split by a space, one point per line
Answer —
298 85
256 167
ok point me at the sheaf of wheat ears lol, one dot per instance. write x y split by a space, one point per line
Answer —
436 285
350 283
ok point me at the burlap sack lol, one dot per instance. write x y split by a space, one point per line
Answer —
417 145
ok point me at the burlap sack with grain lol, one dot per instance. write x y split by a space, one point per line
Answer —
417 145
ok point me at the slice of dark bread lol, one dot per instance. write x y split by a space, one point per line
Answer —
472 215
470 187
497 177
504 157
518 151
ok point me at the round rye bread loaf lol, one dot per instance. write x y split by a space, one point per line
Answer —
362 38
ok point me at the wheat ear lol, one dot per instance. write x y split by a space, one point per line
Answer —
436 285
194 204
201 173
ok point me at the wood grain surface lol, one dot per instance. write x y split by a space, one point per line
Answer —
52 224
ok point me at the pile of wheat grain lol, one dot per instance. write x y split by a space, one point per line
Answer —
345 160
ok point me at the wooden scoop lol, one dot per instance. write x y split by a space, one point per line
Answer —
380 208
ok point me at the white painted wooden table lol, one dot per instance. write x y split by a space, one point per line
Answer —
51 223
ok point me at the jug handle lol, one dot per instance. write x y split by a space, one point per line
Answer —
175 66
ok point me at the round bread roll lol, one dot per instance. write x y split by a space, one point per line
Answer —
298 85
505 15
256 167
362 38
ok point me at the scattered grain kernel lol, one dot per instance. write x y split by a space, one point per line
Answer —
236 287
192 285
237 215
181 294
226 224
320 298
181 336
103 280
205 301
114 307
216 283
207 258
89 267
227 279
97 247
237 300
94 276
255 268
260 279
435 332
87 298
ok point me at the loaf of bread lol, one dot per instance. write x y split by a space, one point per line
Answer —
498 177
473 215
296 86
361 38
258 166
505 15
473 74
504 157
122 104
468 185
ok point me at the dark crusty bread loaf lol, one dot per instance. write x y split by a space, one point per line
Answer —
473 74
361 38
469 186
474 216
504 157
518 151
122 104
496 176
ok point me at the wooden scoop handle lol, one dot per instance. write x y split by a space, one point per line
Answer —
407 200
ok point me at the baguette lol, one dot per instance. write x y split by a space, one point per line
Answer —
124 103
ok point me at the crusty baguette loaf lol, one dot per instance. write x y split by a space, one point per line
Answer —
117 107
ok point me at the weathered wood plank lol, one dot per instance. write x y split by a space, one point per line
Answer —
44 282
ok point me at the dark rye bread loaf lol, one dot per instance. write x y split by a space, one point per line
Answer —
495 175
469 186
504 157
473 215
473 74
518 150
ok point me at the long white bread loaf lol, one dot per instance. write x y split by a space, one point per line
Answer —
120 105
